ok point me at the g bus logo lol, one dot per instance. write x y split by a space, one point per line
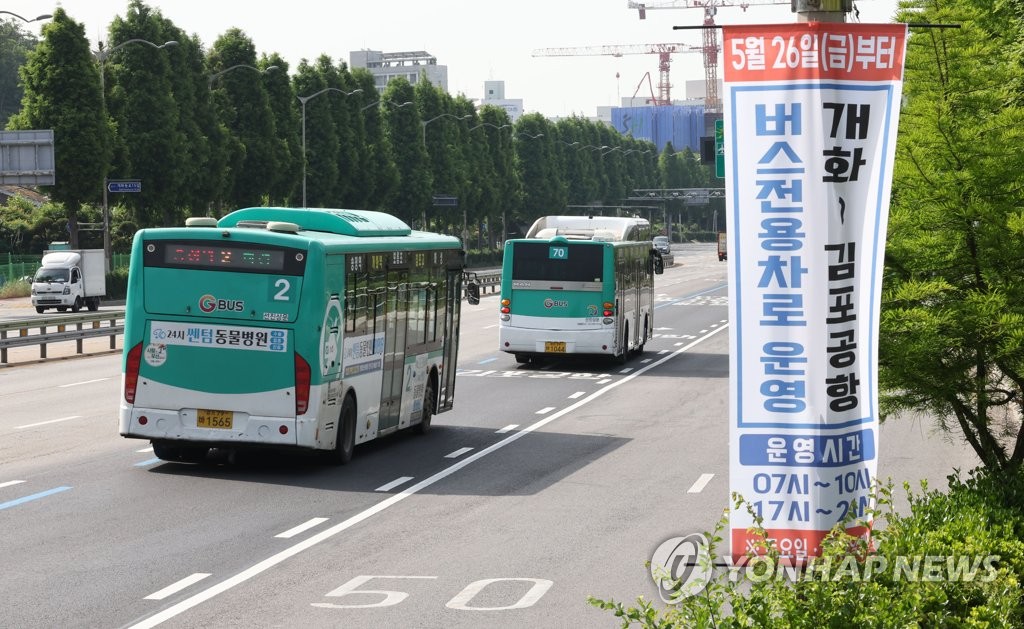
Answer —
555 303
209 303
681 567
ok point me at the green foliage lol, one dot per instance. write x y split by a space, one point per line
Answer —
15 288
117 284
952 319
976 525
15 44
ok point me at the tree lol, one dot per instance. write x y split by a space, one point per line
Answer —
285 188
405 137
141 101
951 342
62 92
245 106
15 44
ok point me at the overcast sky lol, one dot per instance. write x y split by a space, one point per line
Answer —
478 41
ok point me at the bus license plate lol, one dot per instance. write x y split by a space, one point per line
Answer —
555 347
206 418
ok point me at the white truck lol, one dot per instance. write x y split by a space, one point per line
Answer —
70 279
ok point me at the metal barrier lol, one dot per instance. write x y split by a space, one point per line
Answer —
489 281
55 330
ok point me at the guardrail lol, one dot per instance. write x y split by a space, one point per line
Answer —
56 330
489 282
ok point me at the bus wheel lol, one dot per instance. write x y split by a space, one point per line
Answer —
643 339
623 358
429 396
345 445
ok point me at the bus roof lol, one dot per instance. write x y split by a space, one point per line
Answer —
359 223
603 228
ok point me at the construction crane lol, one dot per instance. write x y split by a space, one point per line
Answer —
711 47
664 52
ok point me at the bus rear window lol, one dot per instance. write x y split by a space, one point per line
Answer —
557 262
213 256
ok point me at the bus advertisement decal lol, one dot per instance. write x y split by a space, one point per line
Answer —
229 336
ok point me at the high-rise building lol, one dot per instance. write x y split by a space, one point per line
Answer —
413 66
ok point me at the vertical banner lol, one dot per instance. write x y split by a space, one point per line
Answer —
810 113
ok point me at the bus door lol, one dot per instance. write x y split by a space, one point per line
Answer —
453 303
394 349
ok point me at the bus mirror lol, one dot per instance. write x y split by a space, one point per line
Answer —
658 261
473 293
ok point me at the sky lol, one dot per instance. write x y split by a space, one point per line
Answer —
478 41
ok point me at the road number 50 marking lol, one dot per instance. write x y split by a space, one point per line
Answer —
459 601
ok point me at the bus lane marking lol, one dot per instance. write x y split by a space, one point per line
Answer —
177 587
401 480
699 485
305 526
49 421
311 541
458 453
24 499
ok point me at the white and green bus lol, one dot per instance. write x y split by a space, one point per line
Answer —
578 285
301 329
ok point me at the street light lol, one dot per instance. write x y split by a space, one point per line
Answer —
488 124
426 122
45 16
386 102
303 100
101 56
214 76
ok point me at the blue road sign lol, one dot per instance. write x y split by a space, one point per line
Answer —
124 185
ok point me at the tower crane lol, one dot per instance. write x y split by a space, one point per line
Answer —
711 47
664 52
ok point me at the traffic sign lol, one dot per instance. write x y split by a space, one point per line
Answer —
719 149
124 185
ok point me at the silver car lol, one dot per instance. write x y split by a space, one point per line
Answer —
662 244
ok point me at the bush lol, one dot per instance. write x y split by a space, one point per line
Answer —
117 284
978 521
15 288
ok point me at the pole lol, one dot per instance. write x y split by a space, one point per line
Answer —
303 150
107 262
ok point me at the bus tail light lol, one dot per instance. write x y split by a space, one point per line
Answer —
505 306
131 373
302 382
609 309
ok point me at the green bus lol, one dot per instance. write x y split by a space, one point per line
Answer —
280 328
578 285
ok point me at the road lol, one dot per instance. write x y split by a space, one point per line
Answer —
544 485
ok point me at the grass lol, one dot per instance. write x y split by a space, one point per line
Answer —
15 289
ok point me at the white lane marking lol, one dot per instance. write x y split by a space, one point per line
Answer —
401 480
313 540
49 421
646 360
626 370
305 526
605 381
149 449
11 482
149 462
577 394
458 453
490 327
177 587
545 410
508 428
664 351
699 485
75 384
487 360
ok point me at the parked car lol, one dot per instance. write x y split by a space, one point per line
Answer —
662 244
